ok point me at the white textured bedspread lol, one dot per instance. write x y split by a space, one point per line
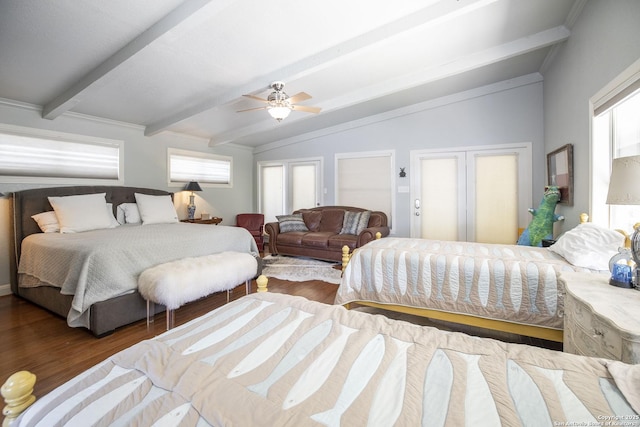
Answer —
97 265
494 281
277 360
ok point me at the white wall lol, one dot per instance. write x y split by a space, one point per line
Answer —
505 113
145 160
603 43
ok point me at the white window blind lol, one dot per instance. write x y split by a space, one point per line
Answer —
365 180
48 155
185 166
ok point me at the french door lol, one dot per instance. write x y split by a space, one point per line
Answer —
480 194
285 186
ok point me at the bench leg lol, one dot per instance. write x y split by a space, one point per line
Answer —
151 309
170 318
247 287
228 295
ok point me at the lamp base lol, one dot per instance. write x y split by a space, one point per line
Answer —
191 208
616 283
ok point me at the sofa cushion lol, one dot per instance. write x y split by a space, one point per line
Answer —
332 220
319 239
339 240
291 238
354 222
312 220
290 223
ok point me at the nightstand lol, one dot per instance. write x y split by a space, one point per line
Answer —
600 320
215 221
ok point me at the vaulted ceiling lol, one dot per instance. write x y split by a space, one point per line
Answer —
184 66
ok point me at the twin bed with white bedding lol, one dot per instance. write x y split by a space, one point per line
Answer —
504 287
90 276
278 360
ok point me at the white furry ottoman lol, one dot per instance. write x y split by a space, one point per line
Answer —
178 282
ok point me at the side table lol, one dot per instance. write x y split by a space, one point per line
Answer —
600 320
215 220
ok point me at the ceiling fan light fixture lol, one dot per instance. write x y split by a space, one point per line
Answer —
279 112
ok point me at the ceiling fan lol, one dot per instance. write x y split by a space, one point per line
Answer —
279 104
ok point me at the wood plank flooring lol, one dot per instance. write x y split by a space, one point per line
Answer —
36 340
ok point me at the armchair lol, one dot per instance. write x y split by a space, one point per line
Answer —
254 223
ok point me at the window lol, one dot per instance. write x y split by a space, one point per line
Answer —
36 155
207 169
366 180
615 132
618 128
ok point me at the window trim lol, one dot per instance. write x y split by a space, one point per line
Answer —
201 155
46 134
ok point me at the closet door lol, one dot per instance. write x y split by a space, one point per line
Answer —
477 195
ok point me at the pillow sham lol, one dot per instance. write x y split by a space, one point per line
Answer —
127 213
81 213
290 223
47 221
156 209
355 222
588 246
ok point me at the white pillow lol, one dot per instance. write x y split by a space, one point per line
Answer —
588 246
127 213
114 221
81 213
47 221
156 209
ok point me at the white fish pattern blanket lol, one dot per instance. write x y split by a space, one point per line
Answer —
277 360
97 265
494 281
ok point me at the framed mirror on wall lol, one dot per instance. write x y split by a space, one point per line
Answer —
560 172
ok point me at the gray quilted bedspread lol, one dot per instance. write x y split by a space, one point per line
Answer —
97 265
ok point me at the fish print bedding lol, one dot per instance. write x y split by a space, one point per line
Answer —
279 360
494 281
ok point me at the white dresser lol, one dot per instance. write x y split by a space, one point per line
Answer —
599 319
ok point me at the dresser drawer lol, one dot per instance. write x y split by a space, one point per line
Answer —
608 338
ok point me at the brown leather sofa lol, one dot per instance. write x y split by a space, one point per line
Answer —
322 238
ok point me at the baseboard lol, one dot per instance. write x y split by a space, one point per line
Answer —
5 290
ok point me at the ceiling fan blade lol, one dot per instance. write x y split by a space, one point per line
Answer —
256 98
306 109
298 97
252 109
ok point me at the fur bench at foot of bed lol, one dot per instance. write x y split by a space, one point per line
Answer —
185 280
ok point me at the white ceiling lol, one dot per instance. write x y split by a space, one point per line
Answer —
183 66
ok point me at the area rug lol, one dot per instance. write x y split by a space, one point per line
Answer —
298 269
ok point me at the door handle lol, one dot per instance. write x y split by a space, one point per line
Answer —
417 203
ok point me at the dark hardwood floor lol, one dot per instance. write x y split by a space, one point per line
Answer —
36 340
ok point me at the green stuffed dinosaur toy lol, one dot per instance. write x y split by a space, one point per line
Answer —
541 226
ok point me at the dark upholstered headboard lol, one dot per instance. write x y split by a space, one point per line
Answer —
30 202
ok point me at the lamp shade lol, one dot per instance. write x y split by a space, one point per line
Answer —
624 185
193 186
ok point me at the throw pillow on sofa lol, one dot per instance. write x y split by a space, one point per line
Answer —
290 223
355 222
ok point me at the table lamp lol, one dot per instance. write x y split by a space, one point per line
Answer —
191 207
624 189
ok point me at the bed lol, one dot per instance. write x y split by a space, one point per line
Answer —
509 288
280 360
90 277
